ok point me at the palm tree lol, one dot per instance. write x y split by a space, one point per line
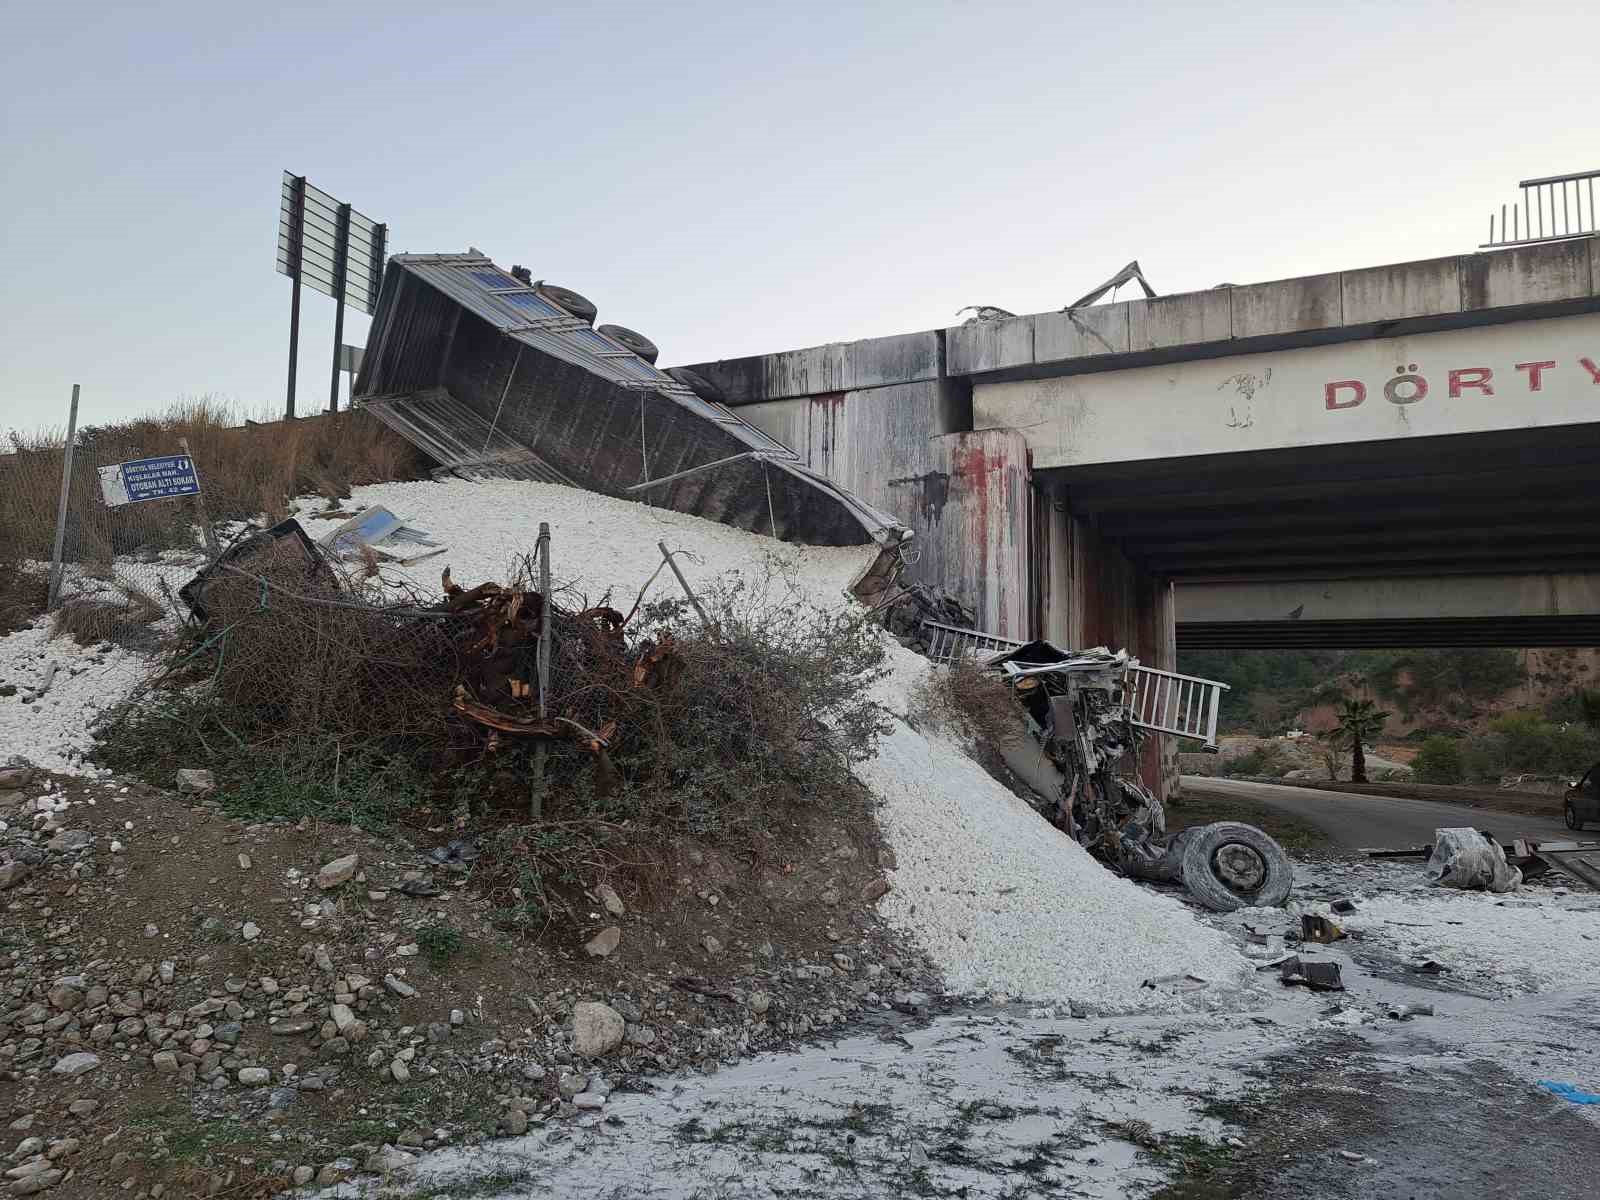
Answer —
1358 720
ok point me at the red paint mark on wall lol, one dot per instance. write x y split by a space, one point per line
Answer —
827 412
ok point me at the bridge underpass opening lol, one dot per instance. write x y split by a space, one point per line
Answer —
1488 539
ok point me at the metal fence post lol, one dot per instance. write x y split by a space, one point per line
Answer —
207 534
540 749
684 583
61 510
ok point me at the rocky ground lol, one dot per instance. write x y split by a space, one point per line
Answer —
191 1005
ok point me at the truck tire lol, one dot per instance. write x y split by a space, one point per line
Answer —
1230 865
568 301
696 383
628 339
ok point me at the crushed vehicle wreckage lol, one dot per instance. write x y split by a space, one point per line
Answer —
1088 714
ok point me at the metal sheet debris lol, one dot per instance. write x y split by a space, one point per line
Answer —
1581 860
1318 976
376 528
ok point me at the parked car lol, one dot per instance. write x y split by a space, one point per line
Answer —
1582 801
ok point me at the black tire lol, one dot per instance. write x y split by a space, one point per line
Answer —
568 301
629 339
697 383
1200 868
1570 814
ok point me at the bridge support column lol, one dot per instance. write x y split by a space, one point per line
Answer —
1088 593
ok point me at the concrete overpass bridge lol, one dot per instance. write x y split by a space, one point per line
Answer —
1399 455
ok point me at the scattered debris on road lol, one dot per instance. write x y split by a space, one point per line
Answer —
1318 976
1465 858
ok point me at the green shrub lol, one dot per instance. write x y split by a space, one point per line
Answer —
1262 760
440 942
1439 761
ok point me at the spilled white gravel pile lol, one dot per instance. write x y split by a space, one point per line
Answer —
1007 904
52 730
597 543
1003 902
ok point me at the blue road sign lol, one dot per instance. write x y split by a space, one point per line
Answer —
150 479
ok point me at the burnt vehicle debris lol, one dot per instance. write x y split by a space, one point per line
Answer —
1088 713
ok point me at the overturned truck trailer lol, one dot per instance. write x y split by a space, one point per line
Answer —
494 376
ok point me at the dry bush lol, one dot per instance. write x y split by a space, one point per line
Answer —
23 593
298 654
126 621
768 707
978 705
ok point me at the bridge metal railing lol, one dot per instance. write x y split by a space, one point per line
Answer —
1551 209
1160 701
1182 705
947 643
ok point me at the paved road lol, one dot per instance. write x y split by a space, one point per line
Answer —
1372 821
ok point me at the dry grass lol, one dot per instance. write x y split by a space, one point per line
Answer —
126 620
246 470
978 705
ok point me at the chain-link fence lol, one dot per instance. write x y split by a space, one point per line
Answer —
119 567
122 563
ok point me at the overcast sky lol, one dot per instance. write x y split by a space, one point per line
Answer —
730 179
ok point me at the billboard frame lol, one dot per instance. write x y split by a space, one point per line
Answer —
326 267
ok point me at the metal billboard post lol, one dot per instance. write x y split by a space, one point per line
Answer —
341 267
297 226
61 510
331 248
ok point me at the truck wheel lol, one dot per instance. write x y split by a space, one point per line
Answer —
696 383
1570 813
568 300
1230 865
628 339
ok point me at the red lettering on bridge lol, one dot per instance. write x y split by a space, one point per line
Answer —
1471 377
1535 372
1330 393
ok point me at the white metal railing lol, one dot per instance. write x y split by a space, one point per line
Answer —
1161 701
1182 705
947 643
1549 210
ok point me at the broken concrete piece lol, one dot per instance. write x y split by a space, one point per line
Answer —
604 943
596 1029
13 873
609 898
339 871
12 778
195 782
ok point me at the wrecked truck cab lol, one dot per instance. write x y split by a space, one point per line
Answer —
1088 712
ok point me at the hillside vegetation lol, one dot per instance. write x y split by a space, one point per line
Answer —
1467 715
